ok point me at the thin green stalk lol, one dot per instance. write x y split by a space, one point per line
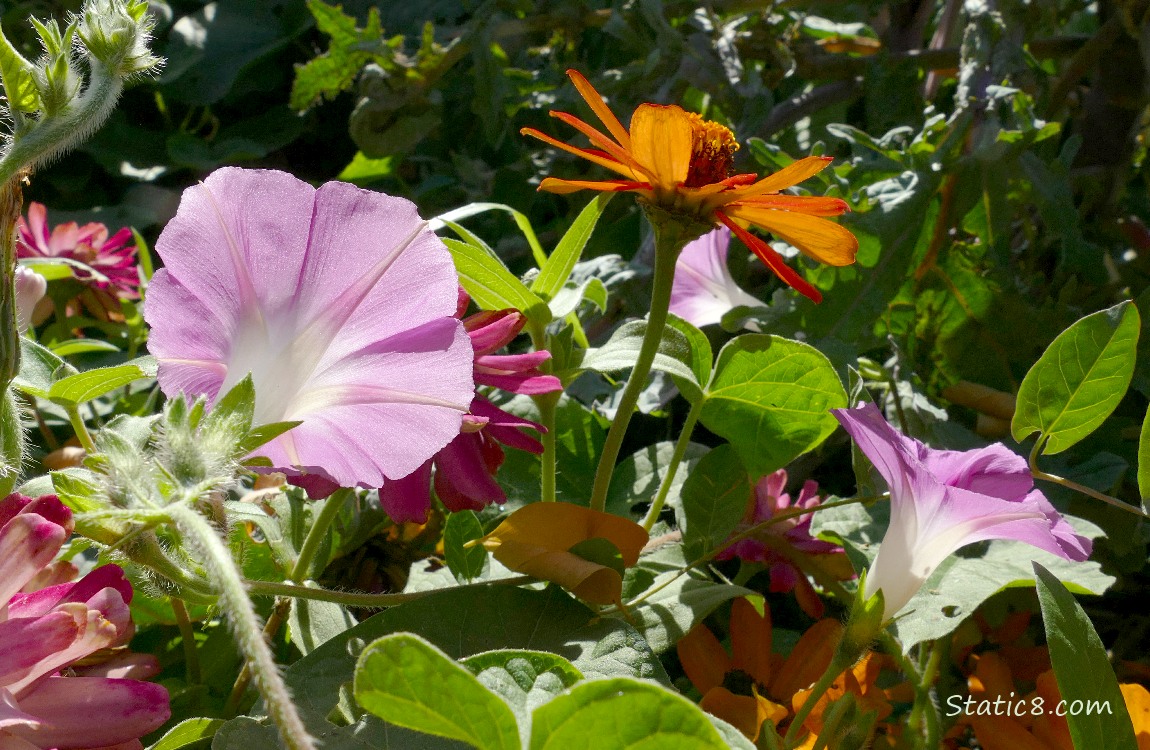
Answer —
191 656
80 428
924 720
245 623
367 601
668 243
1071 484
839 663
318 532
547 403
673 467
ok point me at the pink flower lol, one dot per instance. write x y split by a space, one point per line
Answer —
338 302
780 544
941 501
704 290
465 469
97 260
44 701
30 289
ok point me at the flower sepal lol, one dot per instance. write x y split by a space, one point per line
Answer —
865 622
674 229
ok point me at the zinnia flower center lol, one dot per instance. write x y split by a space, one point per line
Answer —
739 682
713 154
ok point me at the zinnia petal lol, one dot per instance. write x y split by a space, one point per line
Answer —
599 106
790 175
822 240
662 140
337 301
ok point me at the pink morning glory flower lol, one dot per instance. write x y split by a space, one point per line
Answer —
943 500
703 290
46 701
337 301
779 545
465 469
97 260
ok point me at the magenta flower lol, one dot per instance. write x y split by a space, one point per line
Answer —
45 702
781 545
943 500
703 290
337 301
465 469
97 260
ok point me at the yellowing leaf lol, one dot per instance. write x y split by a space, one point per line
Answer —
537 540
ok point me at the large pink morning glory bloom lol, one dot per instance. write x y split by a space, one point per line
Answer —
337 301
943 500
704 290
45 700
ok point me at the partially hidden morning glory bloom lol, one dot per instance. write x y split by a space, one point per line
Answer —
465 469
786 547
704 290
681 163
47 699
338 301
108 264
943 500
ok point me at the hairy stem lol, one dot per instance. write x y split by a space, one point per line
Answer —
245 623
367 601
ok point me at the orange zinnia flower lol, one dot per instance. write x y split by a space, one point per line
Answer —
681 163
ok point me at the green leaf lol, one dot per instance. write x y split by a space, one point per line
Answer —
264 434
701 355
680 604
90 384
405 680
40 369
16 74
567 299
715 497
466 563
554 273
491 285
472 209
622 350
1079 379
349 50
637 478
524 679
313 623
190 734
1082 668
1144 463
231 415
771 398
621 714
82 346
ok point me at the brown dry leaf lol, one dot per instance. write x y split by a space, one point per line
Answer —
536 538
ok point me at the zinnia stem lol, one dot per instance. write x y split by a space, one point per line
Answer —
245 623
673 467
670 238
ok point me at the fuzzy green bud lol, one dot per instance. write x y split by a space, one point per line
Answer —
117 34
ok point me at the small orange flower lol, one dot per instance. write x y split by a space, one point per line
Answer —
681 163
